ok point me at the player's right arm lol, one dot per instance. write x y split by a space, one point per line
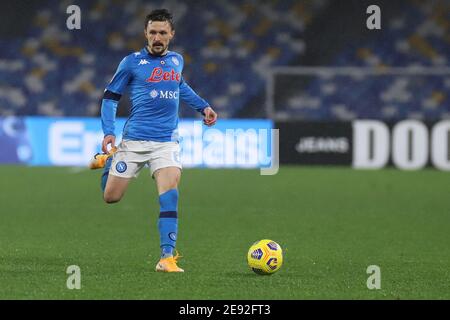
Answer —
111 97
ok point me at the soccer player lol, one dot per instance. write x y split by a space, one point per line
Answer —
155 82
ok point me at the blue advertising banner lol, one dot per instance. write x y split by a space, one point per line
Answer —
229 144
15 146
73 142
65 141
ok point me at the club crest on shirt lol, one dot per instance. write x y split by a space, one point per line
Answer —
175 61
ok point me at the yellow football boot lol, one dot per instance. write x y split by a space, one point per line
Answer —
100 159
169 264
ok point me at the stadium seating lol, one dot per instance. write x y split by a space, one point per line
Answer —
417 38
227 46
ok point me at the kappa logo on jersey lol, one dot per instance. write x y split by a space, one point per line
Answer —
143 61
159 75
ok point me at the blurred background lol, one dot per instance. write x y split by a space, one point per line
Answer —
306 61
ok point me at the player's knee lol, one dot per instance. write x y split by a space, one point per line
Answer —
169 185
174 181
111 198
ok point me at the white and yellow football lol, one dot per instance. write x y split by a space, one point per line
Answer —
265 257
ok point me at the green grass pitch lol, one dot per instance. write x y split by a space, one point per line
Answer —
331 222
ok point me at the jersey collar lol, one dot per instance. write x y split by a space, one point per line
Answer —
145 50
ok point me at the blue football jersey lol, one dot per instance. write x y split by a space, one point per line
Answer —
155 84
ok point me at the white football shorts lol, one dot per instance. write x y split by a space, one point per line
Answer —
131 156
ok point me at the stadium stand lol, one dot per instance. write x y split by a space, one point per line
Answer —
227 46
417 37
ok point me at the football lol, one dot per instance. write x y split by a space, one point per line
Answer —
265 257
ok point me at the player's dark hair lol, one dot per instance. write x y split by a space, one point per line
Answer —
159 15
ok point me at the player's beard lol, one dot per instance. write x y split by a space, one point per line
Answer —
158 49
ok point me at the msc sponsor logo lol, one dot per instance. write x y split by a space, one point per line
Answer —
159 75
164 94
168 94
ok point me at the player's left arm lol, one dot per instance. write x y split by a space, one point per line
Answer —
188 95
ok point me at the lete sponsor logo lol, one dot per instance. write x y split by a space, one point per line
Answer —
159 75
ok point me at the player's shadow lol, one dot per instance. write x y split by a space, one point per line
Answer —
251 275
241 274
